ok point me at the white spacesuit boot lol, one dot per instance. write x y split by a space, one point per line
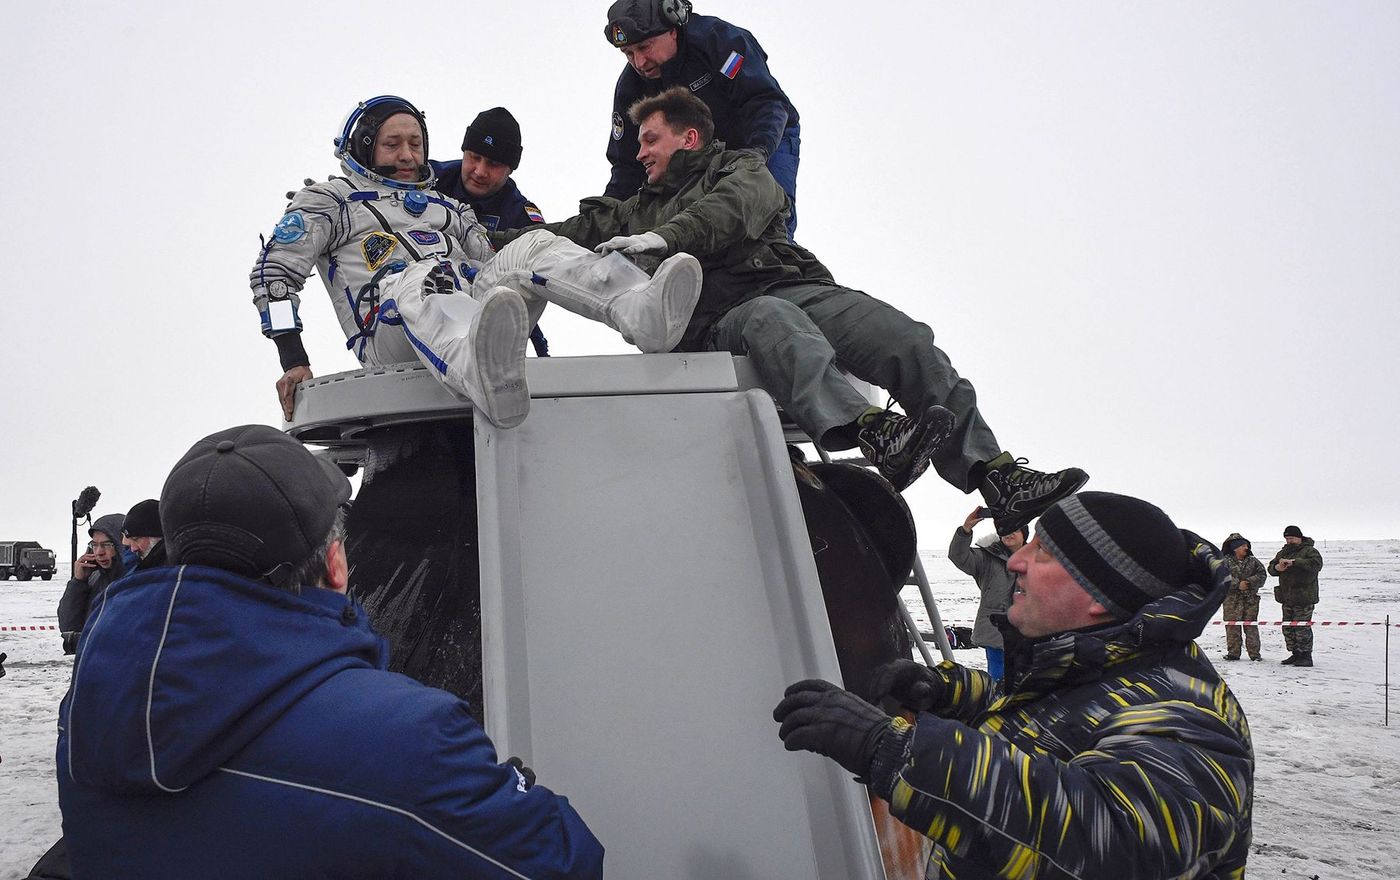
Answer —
476 346
651 312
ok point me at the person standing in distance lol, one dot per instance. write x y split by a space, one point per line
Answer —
986 565
1242 600
1296 565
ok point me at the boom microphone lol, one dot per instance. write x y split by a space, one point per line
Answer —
86 501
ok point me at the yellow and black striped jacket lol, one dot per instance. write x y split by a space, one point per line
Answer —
1115 753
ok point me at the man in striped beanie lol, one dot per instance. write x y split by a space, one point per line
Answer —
1112 739
1097 557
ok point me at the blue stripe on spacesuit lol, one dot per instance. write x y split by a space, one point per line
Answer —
424 350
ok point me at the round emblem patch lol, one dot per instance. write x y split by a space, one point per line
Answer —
289 229
617 126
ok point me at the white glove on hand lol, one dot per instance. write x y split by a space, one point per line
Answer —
634 245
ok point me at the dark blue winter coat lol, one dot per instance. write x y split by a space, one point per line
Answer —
749 107
217 727
506 209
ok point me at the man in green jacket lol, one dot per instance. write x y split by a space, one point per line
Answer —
1296 565
772 300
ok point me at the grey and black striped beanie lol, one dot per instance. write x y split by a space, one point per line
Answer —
1123 551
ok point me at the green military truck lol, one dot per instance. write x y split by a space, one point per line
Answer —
25 559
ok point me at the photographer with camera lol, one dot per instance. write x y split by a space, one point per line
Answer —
92 573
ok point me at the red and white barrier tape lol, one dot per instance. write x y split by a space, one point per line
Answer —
1302 623
24 628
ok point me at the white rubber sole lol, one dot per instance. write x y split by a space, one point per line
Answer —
498 348
679 279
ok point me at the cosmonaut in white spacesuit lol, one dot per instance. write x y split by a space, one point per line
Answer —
412 275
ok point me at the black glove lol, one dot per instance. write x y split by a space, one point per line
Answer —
525 772
2 664
817 716
905 684
439 280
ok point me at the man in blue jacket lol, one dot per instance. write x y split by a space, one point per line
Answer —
667 45
481 178
231 715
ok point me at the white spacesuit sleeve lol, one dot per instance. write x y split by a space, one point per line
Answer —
472 236
316 222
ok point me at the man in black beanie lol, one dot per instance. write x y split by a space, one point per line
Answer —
1296 565
142 534
1114 741
490 152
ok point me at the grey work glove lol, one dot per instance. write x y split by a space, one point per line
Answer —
817 716
905 684
634 245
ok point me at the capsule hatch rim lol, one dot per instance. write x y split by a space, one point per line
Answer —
335 409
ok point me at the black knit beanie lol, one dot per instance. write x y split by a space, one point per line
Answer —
1293 532
143 520
1123 551
494 134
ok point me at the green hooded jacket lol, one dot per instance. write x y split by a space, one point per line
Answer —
720 206
1297 584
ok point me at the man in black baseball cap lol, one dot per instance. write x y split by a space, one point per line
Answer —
1108 710
253 501
233 714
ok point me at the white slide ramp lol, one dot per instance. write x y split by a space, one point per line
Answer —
647 592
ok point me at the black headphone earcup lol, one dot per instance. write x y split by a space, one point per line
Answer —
674 12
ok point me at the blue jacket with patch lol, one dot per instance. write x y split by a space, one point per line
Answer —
217 727
749 107
507 209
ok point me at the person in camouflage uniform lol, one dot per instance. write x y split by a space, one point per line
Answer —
1296 565
1115 748
1242 599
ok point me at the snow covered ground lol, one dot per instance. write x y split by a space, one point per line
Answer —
1327 784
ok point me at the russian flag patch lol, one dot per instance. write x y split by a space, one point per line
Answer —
533 213
731 65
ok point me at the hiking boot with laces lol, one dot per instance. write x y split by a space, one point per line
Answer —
899 446
1016 494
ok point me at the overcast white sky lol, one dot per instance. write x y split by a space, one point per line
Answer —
1162 240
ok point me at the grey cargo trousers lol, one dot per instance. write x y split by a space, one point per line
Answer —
800 336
